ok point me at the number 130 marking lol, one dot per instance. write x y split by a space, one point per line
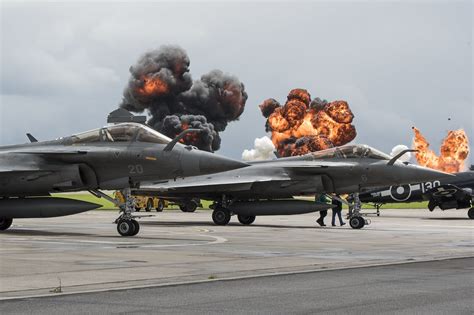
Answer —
429 185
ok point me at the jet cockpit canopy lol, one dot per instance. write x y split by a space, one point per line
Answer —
351 152
125 132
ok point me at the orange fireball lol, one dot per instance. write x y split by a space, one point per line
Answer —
153 86
454 151
301 126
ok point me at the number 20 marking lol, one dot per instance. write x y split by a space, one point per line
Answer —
135 169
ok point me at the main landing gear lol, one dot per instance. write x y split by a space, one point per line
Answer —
221 214
126 223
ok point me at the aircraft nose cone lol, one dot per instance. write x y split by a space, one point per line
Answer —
213 163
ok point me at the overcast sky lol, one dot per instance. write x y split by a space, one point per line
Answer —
397 64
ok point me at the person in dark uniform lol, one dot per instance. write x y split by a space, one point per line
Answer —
323 213
337 210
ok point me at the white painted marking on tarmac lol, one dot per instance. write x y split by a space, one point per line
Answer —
120 244
217 240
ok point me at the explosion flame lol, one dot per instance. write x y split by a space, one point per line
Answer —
454 150
302 126
152 86
160 83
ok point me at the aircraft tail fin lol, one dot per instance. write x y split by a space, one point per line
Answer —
31 138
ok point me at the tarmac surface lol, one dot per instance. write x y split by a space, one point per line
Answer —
84 252
437 287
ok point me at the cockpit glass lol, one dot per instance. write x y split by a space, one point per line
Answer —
119 133
147 134
86 137
351 152
126 132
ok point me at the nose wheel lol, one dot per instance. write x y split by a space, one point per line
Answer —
128 227
357 222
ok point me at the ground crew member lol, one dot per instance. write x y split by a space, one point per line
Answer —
323 213
337 210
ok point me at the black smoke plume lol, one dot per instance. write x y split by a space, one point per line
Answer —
160 83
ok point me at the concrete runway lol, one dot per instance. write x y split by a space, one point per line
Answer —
85 253
440 287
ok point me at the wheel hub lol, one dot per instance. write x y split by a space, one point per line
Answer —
124 227
220 215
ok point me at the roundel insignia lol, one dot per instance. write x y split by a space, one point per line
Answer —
400 193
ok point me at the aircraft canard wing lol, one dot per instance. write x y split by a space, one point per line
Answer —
210 184
30 172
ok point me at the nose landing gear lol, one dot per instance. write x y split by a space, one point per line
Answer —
356 220
126 223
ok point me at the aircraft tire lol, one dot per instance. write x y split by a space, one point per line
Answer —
357 222
149 205
188 207
126 227
470 213
246 219
136 227
221 216
160 206
5 223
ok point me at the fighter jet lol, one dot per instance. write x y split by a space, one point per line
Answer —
116 157
450 193
266 188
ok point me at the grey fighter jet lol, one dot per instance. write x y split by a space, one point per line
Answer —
456 192
266 188
115 157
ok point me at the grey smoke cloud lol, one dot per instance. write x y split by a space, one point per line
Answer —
161 83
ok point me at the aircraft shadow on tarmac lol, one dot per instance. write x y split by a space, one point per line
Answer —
448 219
25 232
422 218
28 232
210 224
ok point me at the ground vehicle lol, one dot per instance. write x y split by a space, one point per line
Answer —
145 202
154 202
